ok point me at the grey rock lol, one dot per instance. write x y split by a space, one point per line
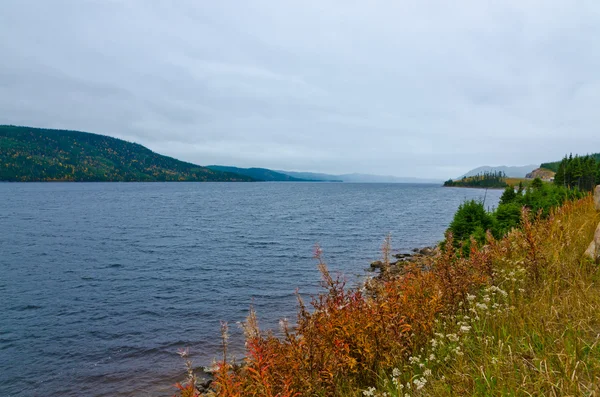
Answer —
377 264
593 251
426 251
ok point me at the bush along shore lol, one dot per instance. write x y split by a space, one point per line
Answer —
517 314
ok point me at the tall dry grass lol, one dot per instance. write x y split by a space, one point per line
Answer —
521 316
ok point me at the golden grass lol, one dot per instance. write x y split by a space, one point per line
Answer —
523 335
515 181
547 342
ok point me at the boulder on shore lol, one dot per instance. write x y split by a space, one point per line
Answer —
597 197
427 251
418 255
376 264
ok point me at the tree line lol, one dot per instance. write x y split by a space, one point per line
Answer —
489 179
577 172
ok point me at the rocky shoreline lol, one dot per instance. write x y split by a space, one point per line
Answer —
417 256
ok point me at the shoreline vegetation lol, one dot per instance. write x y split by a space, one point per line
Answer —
486 180
507 311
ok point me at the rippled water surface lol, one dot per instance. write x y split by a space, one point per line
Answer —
102 283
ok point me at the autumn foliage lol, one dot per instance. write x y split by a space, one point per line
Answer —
349 337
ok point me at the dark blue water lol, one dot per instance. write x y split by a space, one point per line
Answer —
102 283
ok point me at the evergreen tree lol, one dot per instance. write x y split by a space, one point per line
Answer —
508 196
537 184
578 172
559 178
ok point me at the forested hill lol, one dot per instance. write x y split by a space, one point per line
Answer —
262 174
35 154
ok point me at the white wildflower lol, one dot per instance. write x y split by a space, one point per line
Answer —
369 392
414 360
452 337
420 383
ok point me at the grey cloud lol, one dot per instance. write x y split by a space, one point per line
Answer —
422 88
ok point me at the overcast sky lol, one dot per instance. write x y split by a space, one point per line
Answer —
406 88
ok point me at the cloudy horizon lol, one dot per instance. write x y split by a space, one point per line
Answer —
405 88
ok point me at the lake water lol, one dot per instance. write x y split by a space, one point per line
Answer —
102 283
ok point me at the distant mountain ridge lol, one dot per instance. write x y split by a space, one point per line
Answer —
509 171
313 176
36 154
262 174
358 178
